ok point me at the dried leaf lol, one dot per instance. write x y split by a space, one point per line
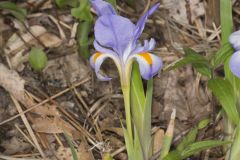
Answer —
12 82
52 125
158 141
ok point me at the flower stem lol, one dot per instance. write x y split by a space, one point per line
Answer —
126 96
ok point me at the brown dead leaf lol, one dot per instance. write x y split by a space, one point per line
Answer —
12 82
15 43
50 40
46 125
84 153
15 145
51 125
64 153
158 141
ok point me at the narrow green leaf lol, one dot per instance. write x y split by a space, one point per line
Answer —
222 55
226 19
188 139
128 144
37 59
82 13
223 90
173 155
146 132
83 31
203 123
108 157
137 97
18 12
200 146
69 141
138 147
167 141
199 62
235 149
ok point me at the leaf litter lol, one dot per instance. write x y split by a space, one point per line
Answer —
92 120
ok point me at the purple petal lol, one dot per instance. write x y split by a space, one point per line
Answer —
114 32
101 49
148 46
141 22
235 64
234 39
96 61
149 64
103 8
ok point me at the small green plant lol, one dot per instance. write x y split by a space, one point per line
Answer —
37 59
18 12
188 146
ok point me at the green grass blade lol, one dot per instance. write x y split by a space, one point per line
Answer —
222 55
188 139
69 141
146 132
200 146
18 12
199 62
223 90
226 19
235 149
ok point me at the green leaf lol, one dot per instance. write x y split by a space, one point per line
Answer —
64 3
137 99
167 141
199 62
69 141
37 59
108 157
82 13
113 2
223 90
128 144
18 12
137 96
146 132
222 55
188 139
235 149
173 155
83 31
200 146
226 19
203 123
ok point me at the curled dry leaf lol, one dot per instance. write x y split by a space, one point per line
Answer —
12 82
15 46
83 153
51 125
158 141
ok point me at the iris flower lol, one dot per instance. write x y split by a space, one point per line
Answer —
234 39
116 37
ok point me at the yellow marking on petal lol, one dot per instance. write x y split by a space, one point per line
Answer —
147 57
97 54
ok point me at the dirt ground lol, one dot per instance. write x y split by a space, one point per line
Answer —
67 97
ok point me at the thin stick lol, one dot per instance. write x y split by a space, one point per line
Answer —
11 158
26 123
44 101
25 136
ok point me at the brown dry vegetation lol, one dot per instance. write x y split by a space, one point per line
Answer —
35 108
